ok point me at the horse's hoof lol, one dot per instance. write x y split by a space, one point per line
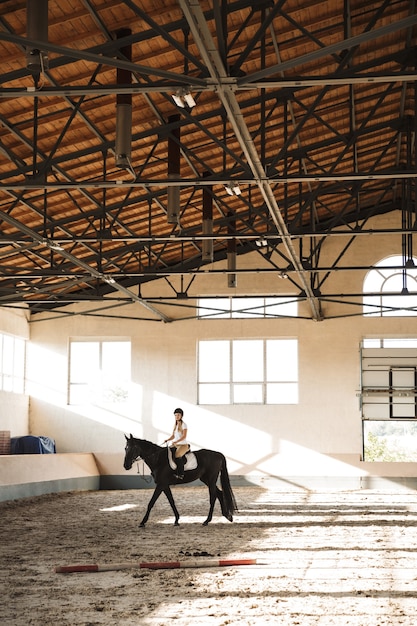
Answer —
141 525
176 523
230 518
205 523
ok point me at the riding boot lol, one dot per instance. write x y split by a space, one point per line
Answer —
180 461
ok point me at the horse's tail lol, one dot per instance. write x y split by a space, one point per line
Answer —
229 502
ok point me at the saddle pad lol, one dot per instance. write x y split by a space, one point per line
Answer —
190 461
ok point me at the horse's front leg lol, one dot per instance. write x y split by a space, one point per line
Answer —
170 497
152 501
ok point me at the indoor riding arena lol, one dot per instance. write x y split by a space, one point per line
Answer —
320 557
208 285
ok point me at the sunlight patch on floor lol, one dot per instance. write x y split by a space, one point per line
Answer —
120 507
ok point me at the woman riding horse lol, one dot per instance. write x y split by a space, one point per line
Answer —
210 466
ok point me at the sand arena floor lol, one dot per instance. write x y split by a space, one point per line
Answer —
328 558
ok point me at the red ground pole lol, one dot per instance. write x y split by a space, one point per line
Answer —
95 567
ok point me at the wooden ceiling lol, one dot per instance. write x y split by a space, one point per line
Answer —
307 108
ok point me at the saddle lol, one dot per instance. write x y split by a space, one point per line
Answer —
190 460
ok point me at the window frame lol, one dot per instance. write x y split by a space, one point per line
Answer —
99 375
12 363
388 303
388 399
230 383
231 307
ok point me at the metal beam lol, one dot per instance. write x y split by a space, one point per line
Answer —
262 179
79 263
85 55
184 237
211 57
156 87
343 44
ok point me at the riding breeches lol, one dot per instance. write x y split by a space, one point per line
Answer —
181 450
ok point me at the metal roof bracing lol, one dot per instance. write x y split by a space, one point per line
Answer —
149 139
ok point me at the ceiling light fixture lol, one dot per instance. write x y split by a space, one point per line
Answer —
233 189
183 98
52 245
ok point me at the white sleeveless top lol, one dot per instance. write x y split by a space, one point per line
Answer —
177 434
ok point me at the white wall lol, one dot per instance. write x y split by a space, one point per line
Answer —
14 408
326 420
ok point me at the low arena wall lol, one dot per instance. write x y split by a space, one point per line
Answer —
27 475
315 471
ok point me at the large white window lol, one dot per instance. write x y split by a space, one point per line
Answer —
389 399
12 363
248 371
99 372
254 308
389 291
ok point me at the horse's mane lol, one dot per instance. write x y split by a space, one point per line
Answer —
145 443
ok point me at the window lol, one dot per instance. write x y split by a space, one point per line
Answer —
248 371
386 290
390 441
389 399
99 372
12 363
233 308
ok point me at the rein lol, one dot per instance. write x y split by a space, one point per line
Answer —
147 479
149 457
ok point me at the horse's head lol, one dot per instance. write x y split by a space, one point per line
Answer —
132 452
141 449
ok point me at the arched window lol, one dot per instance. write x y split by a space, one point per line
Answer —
389 290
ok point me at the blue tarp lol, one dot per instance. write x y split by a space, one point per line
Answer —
32 445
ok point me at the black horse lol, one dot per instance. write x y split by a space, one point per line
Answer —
209 465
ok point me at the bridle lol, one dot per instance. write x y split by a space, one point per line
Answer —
136 459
